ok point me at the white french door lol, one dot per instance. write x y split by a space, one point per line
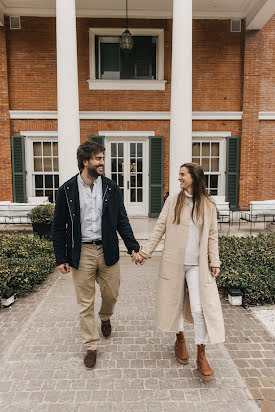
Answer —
126 162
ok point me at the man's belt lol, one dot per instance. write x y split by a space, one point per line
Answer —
94 242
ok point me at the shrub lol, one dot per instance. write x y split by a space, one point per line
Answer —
25 261
248 264
42 213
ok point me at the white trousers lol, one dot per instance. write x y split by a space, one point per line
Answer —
191 274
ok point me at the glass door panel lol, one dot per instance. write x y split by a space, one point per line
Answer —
136 166
117 165
127 166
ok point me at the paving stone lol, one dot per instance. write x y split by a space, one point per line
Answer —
136 369
267 406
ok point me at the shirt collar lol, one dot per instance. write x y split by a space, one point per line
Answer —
81 181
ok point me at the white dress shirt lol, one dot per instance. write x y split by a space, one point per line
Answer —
90 209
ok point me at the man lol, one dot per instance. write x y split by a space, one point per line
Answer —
89 212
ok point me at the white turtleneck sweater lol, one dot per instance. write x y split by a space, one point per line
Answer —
192 251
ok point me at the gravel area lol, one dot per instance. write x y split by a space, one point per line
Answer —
266 314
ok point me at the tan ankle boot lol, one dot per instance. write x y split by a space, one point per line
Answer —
205 370
180 349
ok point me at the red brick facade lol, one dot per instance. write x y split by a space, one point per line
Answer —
231 72
5 149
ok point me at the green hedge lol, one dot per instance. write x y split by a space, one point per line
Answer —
25 261
248 263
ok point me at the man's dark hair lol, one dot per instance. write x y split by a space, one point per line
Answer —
86 150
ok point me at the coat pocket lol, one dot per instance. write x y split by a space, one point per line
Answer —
169 269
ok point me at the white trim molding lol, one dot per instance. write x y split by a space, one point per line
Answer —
101 84
211 134
139 115
131 84
128 133
91 115
260 14
125 115
217 115
33 114
266 115
33 134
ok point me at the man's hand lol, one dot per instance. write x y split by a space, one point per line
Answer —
137 258
215 272
64 268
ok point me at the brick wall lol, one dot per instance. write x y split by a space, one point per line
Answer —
217 67
32 64
267 87
231 72
5 149
266 161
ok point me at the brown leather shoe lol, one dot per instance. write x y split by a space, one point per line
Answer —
205 370
106 328
180 349
90 359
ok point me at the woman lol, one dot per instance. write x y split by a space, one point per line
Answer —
189 265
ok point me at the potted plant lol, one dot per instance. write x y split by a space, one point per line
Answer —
42 218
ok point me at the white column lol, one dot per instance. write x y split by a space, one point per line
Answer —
67 89
181 91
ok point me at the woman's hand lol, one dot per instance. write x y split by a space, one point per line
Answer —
137 258
215 272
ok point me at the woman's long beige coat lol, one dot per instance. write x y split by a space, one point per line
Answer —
171 268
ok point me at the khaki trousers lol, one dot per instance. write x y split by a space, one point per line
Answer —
92 269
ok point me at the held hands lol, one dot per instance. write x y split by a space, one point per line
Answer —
137 258
215 271
64 268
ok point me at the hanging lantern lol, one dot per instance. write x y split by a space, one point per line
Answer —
126 40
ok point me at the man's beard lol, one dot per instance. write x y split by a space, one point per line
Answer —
92 172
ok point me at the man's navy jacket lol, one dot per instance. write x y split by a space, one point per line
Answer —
66 229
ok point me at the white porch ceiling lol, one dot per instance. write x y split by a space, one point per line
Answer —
256 12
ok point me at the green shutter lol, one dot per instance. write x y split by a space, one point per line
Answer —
18 169
97 139
155 175
232 171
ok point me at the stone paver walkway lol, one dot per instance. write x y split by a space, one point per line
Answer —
41 356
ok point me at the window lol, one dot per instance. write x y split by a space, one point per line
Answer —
142 68
42 166
210 154
45 169
112 63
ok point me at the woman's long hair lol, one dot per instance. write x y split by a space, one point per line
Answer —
199 192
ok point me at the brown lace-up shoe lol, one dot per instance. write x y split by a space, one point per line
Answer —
106 328
205 370
90 359
180 349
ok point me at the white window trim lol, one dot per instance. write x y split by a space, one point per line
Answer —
100 84
216 137
30 137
